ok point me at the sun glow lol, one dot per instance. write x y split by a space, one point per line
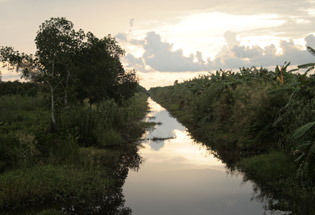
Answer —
204 31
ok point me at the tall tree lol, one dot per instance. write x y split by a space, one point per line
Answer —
57 44
92 64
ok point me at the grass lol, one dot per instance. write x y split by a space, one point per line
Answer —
268 168
275 174
40 169
48 184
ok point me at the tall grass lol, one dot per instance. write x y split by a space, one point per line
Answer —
106 123
81 161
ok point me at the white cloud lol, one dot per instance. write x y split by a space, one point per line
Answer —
230 38
310 40
121 37
160 55
9 75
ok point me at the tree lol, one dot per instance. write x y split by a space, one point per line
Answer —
57 44
63 54
101 74
14 60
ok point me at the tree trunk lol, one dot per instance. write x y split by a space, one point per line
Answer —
66 90
52 100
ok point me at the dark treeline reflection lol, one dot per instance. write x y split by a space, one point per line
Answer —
109 200
112 201
273 199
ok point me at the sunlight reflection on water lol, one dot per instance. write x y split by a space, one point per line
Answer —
180 176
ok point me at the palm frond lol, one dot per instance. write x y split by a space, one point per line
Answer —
310 50
302 130
307 65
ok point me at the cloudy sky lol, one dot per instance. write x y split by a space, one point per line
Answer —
175 40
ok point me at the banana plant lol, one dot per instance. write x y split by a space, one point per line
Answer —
308 66
305 151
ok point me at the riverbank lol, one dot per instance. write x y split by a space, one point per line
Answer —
78 168
245 119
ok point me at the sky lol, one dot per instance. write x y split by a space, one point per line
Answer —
179 39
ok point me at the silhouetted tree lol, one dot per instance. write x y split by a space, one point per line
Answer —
100 73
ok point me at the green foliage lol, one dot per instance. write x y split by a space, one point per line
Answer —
50 212
93 102
26 187
27 150
22 121
26 140
302 130
256 110
305 153
268 168
106 123
100 74
8 152
17 109
18 88
74 66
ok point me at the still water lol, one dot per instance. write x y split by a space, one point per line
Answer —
180 176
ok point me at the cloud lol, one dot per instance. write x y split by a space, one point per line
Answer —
247 52
131 23
246 56
8 75
160 56
251 7
230 38
135 63
310 40
121 36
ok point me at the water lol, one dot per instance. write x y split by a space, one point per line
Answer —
180 176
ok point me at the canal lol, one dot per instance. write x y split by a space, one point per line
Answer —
181 176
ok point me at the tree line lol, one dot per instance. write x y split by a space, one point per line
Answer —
73 65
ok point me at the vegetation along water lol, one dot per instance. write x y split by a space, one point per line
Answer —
259 122
68 134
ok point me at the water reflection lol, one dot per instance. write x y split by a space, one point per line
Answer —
179 176
165 130
115 164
